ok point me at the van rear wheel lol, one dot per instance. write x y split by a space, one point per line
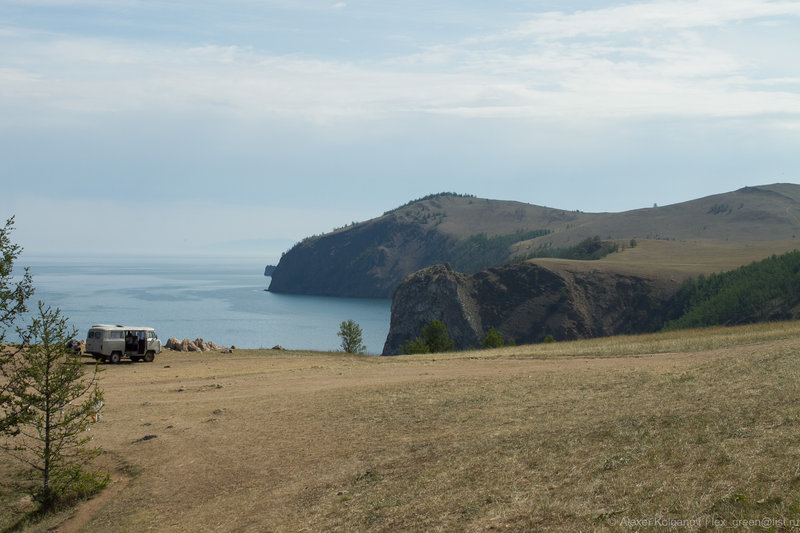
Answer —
149 356
115 358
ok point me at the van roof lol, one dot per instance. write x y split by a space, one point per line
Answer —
119 326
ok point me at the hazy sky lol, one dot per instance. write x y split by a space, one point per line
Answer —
197 126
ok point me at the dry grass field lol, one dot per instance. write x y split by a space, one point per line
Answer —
694 430
697 257
678 260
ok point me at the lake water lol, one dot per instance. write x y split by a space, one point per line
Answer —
224 302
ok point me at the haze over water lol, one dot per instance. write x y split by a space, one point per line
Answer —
220 301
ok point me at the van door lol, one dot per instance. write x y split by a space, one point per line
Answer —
151 338
142 342
130 341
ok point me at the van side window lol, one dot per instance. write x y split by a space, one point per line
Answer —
116 334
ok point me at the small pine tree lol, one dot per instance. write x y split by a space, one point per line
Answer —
50 408
14 292
416 346
493 339
435 338
13 295
352 337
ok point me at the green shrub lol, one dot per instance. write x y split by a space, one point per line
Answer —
435 338
493 339
416 346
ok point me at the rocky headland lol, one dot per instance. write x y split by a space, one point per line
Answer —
528 302
370 259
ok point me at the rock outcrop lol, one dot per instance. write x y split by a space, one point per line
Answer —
434 293
528 301
197 345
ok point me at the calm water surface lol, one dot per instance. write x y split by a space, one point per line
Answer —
224 302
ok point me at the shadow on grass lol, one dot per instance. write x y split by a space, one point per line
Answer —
28 519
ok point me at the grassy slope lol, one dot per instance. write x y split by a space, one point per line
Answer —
768 212
678 259
688 238
698 425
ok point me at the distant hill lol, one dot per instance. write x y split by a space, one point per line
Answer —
370 259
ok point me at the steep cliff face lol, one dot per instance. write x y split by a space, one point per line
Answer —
434 293
365 261
526 302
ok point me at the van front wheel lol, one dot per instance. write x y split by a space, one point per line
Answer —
115 358
149 356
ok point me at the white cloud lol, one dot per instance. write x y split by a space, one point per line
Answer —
648 16
565 66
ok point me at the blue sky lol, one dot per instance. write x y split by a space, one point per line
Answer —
240 127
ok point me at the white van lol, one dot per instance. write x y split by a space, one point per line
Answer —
112 343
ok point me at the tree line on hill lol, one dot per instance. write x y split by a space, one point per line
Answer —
758 292
431 197
589 249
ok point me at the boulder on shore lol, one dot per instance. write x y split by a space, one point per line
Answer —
197 345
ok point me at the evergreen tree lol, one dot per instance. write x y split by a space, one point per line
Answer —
13 295
49 408
416 346
435 338
14 292
492 339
